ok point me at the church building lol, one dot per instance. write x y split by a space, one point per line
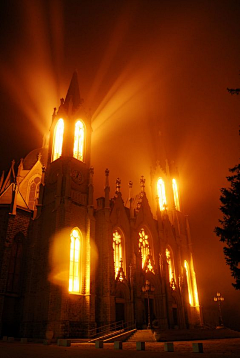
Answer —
68 264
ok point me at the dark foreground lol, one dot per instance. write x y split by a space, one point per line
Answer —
212 348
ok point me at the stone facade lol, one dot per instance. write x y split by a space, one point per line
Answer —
40 207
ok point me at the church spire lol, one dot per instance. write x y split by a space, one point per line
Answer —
73 94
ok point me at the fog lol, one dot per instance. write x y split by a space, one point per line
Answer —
154 76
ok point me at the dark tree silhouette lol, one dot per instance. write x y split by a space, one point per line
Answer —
229 232
234 90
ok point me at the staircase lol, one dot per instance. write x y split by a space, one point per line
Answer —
144 335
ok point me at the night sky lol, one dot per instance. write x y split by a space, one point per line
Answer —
154 76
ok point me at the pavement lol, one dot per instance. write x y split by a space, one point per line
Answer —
217 348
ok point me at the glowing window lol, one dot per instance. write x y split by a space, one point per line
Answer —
78 141
33 193
117 252
74 268
171 271
144 248
58 140
190 291
175 194
161 194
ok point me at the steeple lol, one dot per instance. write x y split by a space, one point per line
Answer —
73 94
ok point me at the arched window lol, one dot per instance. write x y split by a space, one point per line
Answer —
161 194
175 194
189 283
58 140
74 267
144 249
33 192
118 255
171 269
15 262
78 141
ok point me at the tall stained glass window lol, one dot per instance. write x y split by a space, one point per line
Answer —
58 140
74 268
161 194
175 194
117 252
78 141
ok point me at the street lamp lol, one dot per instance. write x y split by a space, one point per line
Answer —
218 299
148 288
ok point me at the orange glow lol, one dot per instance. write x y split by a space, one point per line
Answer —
171 271
192 286
161 194
117 251
190 292
195 290
78 141
175 194
74 267
58 140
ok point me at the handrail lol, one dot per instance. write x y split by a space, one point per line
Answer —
105 328
111 328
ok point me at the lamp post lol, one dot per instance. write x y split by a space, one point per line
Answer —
148 288
219 299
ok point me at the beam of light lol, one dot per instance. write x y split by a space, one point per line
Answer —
117 37
31 78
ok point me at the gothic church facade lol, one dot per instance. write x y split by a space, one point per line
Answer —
68 266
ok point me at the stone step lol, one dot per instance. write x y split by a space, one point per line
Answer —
144 335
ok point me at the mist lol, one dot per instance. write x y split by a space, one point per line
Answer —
153 75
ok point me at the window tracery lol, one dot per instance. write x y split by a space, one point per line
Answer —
118 255
144 248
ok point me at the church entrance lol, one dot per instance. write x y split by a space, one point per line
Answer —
11 317
120 314
175 316
151 310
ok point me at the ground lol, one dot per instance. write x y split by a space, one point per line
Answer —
212 348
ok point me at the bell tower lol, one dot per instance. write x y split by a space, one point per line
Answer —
64 225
